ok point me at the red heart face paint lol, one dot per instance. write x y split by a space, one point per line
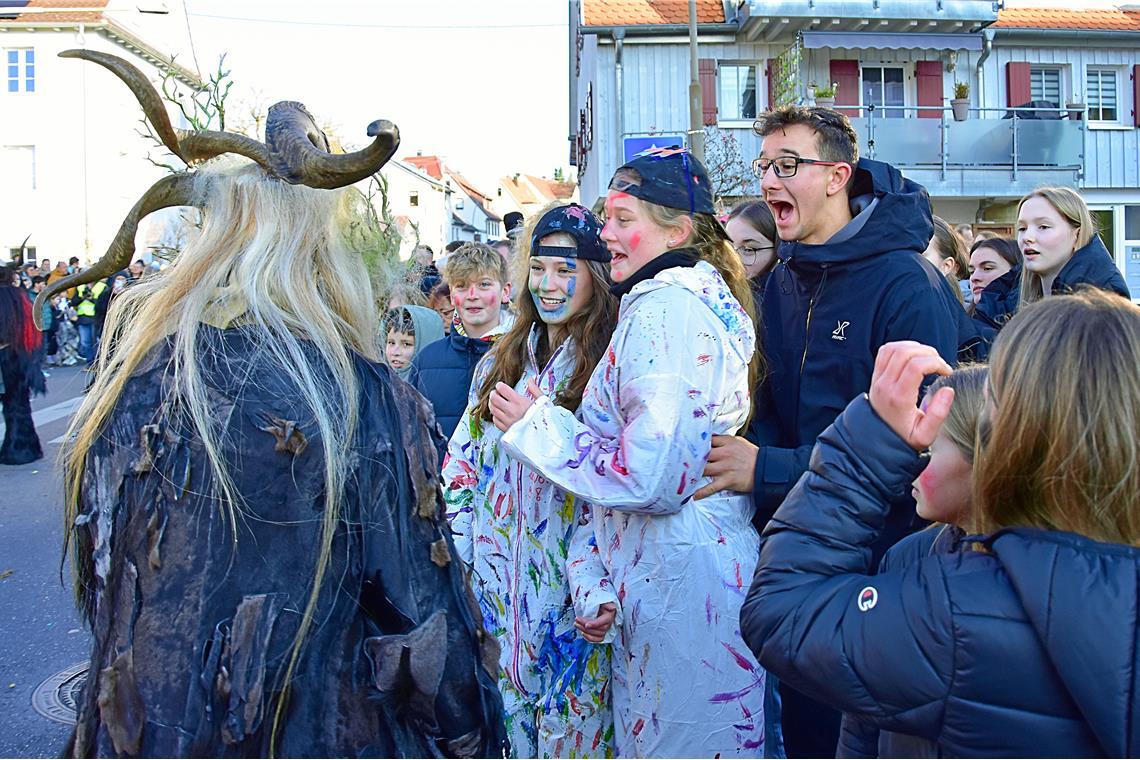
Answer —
942 491
634 239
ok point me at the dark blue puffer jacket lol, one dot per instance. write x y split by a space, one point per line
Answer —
826 311
1025 646
442 372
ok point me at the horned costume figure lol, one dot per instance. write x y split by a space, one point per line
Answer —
257 528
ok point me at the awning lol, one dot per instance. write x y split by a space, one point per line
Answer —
891 41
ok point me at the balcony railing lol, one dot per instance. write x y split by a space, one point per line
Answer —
1017 138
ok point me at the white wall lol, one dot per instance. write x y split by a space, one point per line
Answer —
431 216
90 161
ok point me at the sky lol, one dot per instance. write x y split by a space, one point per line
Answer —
483 83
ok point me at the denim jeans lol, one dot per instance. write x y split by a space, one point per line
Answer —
86 341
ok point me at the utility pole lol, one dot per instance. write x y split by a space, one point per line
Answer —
696 127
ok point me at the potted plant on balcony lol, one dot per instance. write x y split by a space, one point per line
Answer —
825 96
960 104
1076 108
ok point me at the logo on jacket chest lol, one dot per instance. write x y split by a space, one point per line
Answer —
839 333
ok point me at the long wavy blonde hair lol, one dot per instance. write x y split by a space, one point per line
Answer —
271 258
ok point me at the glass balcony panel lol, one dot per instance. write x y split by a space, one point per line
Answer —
904 142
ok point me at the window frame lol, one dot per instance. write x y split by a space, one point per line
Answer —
910 93
1122 110
760 89
23 68
1062 97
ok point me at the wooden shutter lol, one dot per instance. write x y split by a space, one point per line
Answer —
1017 89
845 74
1136 95
928 77
706 74
770 71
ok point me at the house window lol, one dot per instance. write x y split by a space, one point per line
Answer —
1045 84
736 99
18 166
885 86
21 69
1103 100
414 198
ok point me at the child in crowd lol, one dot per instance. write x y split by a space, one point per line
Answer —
1023 642
477 276
407 330
942 494
529 543
440 300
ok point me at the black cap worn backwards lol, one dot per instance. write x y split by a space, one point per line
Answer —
670 177
578 222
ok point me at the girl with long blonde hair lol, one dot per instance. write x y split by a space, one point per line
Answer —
675 373
1023 642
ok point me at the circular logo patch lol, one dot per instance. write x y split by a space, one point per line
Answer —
868 598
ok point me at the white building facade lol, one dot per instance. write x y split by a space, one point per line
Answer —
72 161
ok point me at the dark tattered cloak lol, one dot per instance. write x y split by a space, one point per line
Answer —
193 629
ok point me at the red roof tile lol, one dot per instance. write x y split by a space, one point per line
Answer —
95 15
1095 19
649 12
429 165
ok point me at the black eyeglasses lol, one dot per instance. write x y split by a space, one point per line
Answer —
748 253
787 166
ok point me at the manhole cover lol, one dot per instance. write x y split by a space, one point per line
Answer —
57 698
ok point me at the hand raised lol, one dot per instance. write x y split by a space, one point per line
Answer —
899 370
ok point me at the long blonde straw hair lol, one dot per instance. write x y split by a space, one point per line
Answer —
270 258
1060 449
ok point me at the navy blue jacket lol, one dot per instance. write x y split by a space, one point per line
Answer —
442 372
826 311
1091 264
1023 647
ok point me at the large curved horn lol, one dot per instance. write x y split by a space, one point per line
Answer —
299 153
144 91
198 146
175 190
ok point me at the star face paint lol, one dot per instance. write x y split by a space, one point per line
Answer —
556 288
634 239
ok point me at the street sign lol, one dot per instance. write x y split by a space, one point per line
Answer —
635 145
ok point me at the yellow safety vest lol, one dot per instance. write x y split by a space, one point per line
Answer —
90 294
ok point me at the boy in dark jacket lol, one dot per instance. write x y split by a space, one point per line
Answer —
442 372
851 277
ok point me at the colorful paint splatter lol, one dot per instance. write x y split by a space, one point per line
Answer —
684 683
520 536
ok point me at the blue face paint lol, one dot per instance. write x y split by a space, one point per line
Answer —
553 286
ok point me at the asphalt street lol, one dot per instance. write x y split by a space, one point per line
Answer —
41 634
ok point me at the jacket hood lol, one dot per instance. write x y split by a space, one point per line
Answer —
901 220
705 282
1091 265
1083 599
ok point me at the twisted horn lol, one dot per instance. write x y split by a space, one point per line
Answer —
175 190
198 146
144 91
298 150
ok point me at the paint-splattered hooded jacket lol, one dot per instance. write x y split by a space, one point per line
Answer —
1023 648
675 374
528 543
194 615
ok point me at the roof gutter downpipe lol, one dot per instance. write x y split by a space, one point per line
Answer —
619 49
987 48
